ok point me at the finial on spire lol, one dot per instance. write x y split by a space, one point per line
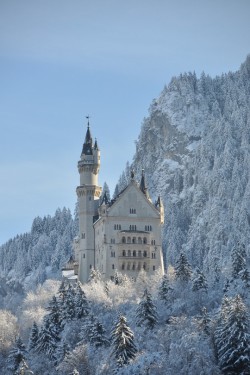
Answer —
88 117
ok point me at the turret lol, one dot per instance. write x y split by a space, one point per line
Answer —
88 193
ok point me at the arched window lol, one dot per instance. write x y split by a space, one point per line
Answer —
139 240
139 253
128 240
123 239
123 253
134 253
144 266
134 240
129 253
145 240
128 266
123 266
144 253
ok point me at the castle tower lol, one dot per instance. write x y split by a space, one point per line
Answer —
88 194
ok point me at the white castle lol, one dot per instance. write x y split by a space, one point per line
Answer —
121 235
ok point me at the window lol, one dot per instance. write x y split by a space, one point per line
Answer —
128 240
112 254
134 253
117 227
123 253
144 266
123 239
128 266
83 256
132 227
148 228
129 253
133 267
144 240
139 266
132 210
133 240
153 255
139 253
153 268
144 253
123 266
152 242
112 240
113 266
139 240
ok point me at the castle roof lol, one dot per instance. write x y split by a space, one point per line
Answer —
87 148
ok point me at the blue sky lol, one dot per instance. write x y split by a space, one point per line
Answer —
62 60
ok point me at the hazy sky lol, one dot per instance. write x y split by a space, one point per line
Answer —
61 60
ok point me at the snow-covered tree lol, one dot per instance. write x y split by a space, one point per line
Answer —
124 348
68 308
17 354
48 340
238 260
232 337
81 303
165 289
33 338
199 281
183 270
146 311
54 317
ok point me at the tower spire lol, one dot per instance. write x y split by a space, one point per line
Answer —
87 148
143 184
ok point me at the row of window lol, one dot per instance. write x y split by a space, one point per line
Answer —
135 267
132 210
132 227
134 240
134 253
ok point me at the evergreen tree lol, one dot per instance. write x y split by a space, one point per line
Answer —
54 316
124 348
183 269
97 334
34 334
232 338
62 291
146 311
165 289
48 340
61 351
105 190
204 321
17 355
81 303
199 281
68 307
238 260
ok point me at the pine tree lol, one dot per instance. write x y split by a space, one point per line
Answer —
61 351
17 355
124 348
97 335
146 311
62 291
238 260
81 303
232 338
165 289
183 269
199 281
68 308
48 340
34 334
54 316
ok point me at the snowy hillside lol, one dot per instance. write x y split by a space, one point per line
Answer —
194 147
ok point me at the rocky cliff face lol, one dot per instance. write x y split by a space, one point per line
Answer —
194 147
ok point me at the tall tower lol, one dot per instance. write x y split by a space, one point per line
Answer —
88 194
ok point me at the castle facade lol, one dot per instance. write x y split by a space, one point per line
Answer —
123 234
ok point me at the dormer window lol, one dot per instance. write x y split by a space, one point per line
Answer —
132 210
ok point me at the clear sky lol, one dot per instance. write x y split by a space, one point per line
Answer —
62 60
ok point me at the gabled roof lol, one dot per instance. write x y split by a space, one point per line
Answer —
133 185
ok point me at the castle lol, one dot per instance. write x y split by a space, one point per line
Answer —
121 235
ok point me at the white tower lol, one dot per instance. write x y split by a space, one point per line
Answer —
88 199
